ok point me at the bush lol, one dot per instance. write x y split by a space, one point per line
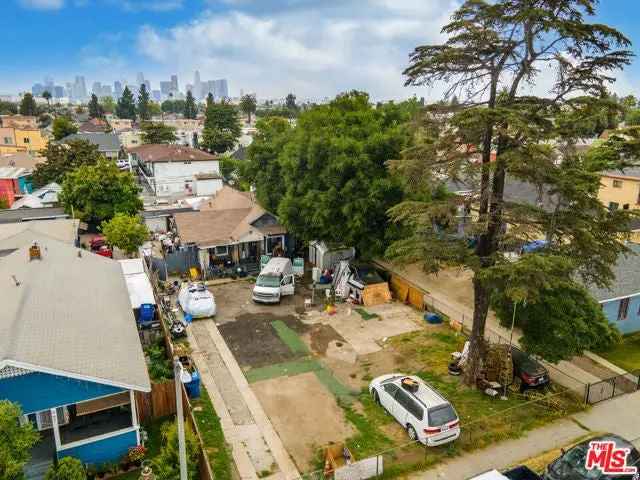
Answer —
166 465
68 468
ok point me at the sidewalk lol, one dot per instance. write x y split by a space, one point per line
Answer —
619 416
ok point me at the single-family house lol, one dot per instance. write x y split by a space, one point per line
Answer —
16 140
172 170
621 302
94 125
26 122
16 235
108 143
232 226
620 189
21 160
119 124
130 138
14 183
70 354
32 214
43 197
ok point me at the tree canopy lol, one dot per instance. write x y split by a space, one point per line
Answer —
248 105
143 103
98 192
108 104
127 232
95 109
28 105
68 468
16 441
63 126
61 159
221 127
157 132
166 466
126 107
173 106
500 134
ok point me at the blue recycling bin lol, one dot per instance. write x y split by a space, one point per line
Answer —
193 387
433 318
147 314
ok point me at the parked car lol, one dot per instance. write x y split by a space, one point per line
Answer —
517 473
123 164
276 280
422 411
572 464
97 242
104 251
530 371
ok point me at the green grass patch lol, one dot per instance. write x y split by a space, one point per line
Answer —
290 338
290 369
341 392
366 315
626 354
212 435
369 440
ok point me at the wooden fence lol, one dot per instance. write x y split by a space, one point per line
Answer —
160 402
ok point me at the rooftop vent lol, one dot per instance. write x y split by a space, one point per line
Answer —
34 252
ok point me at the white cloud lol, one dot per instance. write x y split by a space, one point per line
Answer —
314 49
154 5
43 4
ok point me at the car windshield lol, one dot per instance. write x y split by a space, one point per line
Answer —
573 465
268 281
440 415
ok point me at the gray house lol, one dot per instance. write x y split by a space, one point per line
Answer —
108 143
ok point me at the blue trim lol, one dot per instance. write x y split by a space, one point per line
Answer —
40 391
108 450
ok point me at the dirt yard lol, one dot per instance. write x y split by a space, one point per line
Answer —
305 415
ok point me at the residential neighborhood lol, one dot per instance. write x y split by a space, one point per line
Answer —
385 240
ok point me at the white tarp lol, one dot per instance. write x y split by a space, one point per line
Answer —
492 475
196 300
138 284
367 468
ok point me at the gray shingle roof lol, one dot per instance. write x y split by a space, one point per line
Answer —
106 142
69 315
627 277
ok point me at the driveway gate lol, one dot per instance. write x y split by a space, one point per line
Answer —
612 387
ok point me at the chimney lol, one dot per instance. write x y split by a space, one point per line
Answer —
34 252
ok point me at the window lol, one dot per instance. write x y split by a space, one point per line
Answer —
623 309
617 184
625 206
9 141
224 250
390 388
273 242
26 140
638 199
613 206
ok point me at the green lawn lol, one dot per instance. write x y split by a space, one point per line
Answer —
484 420
626 355
212 436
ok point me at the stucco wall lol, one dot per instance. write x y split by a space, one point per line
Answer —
627 193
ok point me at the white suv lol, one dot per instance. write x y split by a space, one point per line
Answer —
426 415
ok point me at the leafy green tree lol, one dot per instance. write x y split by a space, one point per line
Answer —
8 108
633 117
157 132
95 193
44 120
190 107
337 187
61 159
143 103
28 105
16 441
248 105
221 128
210 101
264 169
173 106
290 102
500 133
127 232
63 126
107 104
154 108
68 468
166 466
95 109
126 107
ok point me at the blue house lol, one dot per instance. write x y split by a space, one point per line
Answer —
621 302
70 354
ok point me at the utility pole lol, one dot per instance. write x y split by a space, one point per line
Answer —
182 452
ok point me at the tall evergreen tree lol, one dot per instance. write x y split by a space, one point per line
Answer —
221 128
126 107
190 107
143 103
248 105
501 133
28 105
95 109
210 100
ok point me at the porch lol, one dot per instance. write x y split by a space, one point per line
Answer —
219 259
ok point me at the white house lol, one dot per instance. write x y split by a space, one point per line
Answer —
176 170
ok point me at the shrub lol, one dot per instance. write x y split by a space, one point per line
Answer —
68 468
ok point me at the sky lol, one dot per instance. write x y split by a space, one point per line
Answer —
313 48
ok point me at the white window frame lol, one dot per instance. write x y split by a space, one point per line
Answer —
218 254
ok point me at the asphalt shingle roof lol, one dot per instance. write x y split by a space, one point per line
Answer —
627 277
69 314
106 142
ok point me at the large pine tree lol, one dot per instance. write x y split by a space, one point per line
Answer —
190 107
126 107
95 109
501 133
144 112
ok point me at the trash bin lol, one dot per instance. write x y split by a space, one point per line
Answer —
193 387
147 314
432 318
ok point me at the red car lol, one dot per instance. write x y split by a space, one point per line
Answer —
104 251
97 242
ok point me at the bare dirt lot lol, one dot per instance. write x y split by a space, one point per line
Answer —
304 413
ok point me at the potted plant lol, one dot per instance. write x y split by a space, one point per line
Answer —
137 454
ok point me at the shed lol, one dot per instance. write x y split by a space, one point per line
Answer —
326 256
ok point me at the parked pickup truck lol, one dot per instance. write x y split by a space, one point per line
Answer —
517 473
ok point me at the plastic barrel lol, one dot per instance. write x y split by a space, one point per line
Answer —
432 318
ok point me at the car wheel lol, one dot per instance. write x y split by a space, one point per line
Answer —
413 436
376 397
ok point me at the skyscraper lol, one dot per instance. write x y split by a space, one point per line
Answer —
221 89
117 89
139 79
197 86
80 89
174 83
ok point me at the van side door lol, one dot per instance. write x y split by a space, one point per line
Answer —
387 396
287 285
401 406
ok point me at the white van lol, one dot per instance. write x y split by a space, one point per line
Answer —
426 415
275 280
